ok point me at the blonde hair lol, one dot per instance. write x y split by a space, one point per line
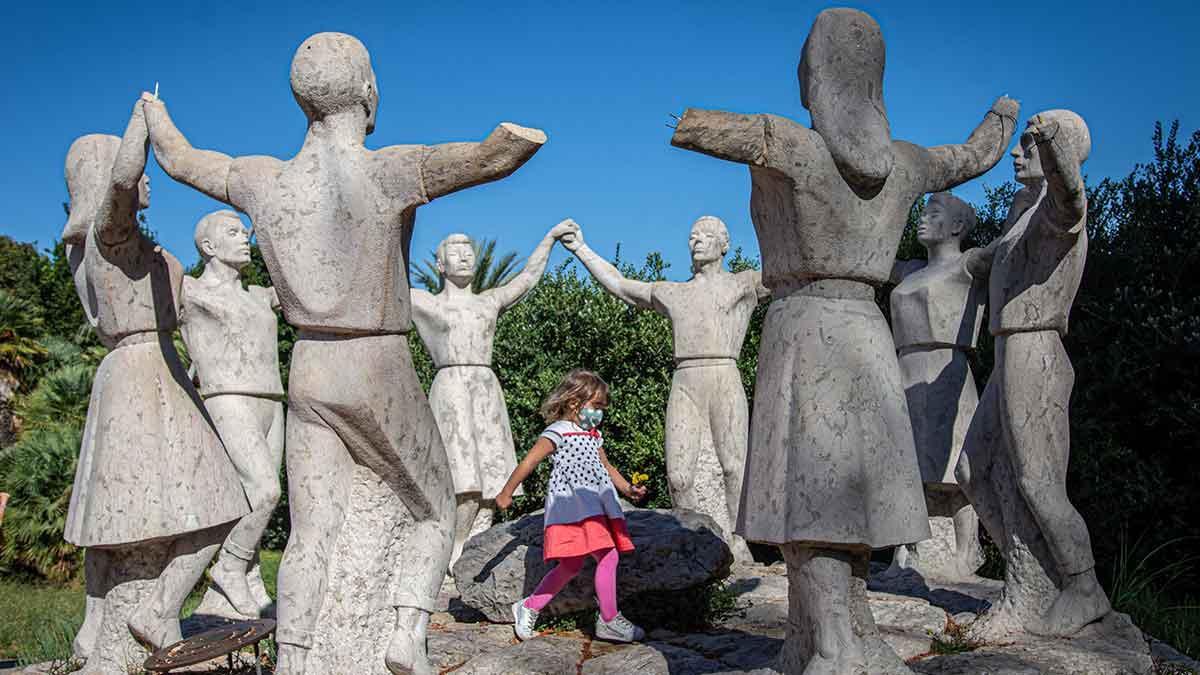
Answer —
577 388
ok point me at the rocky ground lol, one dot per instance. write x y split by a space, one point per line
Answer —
924 622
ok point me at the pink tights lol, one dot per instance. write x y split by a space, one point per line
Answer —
567 568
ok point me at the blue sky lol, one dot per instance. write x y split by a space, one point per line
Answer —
599 78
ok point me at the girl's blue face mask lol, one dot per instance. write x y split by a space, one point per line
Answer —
590 418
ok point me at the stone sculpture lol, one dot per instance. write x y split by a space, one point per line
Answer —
937 310
458 327
1014 462
707 412
334 223
831 469
154 491
232 337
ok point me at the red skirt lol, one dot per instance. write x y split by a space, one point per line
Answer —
598 533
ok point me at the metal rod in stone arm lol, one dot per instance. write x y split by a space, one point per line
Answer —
528 277
117 218
631 291
730 136
1064 181
951 165
451 167
205 170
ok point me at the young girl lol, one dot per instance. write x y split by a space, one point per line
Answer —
583 516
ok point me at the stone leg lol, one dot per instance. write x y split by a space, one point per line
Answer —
156 620
967 552
466 509
820 639
976 462
729 419
319 470
1037 388
95 575
245 424
131 573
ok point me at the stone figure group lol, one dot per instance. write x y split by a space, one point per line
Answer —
860 431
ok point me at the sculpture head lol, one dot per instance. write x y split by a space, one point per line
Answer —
221 236
841 85
456 260
945 217
331 73
1069 129
89 172
708 242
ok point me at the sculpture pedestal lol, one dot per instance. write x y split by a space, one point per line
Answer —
357 619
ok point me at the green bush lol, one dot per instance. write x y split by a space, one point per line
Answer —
37 472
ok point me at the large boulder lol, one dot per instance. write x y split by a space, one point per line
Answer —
677 550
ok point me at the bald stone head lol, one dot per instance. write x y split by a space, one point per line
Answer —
841 85
1065 127
331 73
945 217
221 236
709 241
89 174
456 259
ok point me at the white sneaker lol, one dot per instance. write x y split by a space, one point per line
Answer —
524 620
619 629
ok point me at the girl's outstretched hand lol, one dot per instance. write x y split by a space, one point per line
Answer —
636 493
503 501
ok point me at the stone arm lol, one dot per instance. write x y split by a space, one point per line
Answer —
204 170
1065 191
730 136
450 167
509 294
978 261
117 220
754 285
951 165
636 293
423 303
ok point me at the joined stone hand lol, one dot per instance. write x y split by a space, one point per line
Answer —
1007 107
572 239
564 228
1042 129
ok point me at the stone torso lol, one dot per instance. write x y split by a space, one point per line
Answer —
812 225
937 306
709 314
457 329
232 337
1036 271
131 287
334 224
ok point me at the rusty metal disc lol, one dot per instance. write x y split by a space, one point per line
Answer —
209 645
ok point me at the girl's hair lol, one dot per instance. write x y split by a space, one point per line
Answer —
576 389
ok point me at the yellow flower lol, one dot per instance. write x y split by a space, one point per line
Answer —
639 478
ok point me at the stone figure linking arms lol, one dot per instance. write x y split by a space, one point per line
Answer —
154 491
937 310
1014 461
334 223
831 469
458 327
707 412
232 336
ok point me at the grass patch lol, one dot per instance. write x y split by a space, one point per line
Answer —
956 638
38 621
1144 586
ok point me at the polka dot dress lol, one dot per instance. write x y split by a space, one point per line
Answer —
580 494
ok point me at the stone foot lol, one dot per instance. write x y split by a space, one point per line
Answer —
407 652
289 659
154 632
1081 602
841 664
231 580
258 591
741 552
85 639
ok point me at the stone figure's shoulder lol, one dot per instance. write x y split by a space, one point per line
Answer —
197 296
264 294
254 170
785 137
401 167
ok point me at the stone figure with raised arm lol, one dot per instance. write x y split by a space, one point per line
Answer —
1014 461
831 468
458 327
232 337
334 223
154 492
707 413
937 310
